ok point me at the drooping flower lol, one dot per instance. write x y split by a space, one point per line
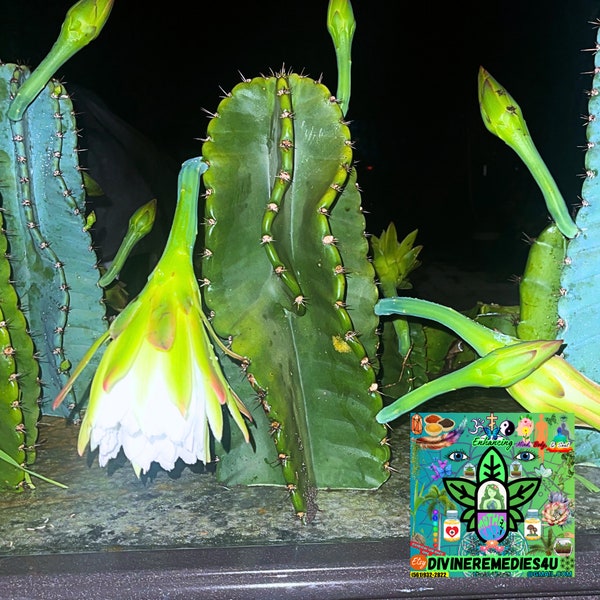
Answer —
159 389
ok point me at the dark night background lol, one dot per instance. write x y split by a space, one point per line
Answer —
420 143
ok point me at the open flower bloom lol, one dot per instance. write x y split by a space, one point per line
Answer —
159 389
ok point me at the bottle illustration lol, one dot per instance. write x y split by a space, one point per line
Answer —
451 526
533 525
515 469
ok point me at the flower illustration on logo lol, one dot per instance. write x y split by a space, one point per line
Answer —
525 427
492 501
491 547
556 511
159 389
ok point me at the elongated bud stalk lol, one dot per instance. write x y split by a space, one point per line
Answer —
83 23
503 117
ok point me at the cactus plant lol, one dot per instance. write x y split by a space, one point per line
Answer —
285 275
557 292
50 300
284 271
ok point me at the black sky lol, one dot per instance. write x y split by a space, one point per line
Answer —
414 106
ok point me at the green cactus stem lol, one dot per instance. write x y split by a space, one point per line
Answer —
539 289
298 303
19 385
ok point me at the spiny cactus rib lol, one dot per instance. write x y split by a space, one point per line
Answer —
26 192
539 289
312 370
52 260
281 185
19 387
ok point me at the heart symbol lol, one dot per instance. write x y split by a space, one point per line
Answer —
452 531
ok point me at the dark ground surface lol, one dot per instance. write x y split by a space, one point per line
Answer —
109 509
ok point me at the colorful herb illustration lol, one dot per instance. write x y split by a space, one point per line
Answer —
488 520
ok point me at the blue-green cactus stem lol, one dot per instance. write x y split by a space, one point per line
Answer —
539 289
578 303
45 249
54 267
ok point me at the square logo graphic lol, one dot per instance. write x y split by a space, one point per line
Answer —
492 495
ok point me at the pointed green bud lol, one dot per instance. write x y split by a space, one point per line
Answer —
500 112
140 225
83 23
506 366
341 26
503 117
552 386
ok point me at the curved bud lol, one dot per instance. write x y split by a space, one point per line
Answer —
83 23
502 367
552 385
140 225
503 117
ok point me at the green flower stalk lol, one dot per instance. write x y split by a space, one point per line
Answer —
159 390
552 385
83 23
503 117
341 25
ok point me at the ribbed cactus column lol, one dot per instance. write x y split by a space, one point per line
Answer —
50 273
578 305
286 275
